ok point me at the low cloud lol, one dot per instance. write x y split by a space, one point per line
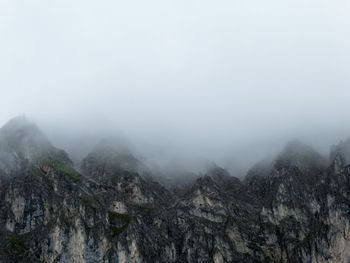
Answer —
229 82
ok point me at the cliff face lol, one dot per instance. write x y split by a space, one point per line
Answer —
49 212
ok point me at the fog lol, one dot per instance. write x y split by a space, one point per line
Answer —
179 81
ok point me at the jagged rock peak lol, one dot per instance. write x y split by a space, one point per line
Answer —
342 149
337 163
217 172
23 144
18 122
294 154
204 180
262 168
108 159
221 176
300 155
21 131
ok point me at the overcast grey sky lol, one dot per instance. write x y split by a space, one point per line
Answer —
206 78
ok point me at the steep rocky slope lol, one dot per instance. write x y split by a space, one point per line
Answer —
294 208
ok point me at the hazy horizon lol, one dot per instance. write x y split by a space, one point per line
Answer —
226 81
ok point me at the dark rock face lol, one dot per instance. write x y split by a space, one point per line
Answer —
49 212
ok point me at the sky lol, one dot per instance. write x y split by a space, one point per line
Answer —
229 81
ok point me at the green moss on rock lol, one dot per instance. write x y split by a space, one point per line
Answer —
114 217
17 244
67 170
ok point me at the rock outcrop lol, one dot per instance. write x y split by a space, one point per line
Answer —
295 210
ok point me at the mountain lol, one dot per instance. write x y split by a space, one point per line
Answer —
342 149
293 208
300 155
23 145
108 159
295 154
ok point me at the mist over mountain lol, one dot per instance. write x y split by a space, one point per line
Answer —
109 145
230 82
174 131
22 141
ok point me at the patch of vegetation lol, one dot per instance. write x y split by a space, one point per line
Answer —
17 244
308 237
67 170
118 230
116 175
124 218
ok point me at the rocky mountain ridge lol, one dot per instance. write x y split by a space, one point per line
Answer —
294 208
